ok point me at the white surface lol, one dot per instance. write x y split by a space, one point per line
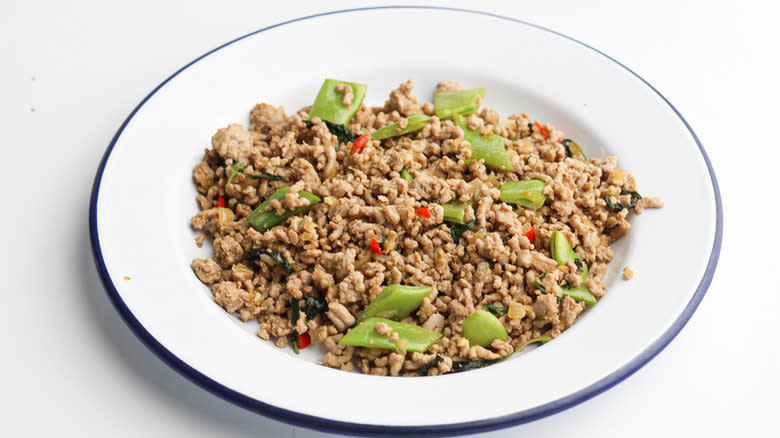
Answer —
74 369
172 126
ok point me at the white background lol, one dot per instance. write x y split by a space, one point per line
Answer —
71 72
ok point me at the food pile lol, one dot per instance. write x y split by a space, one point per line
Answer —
408 239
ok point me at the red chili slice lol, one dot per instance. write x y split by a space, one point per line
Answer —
221 201
542 129
531 236
359 143
423 212
303 341
375 246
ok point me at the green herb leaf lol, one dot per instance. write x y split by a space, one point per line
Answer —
314 306
294 311
457 230
479 363
237 167
278 257
266 176
344 134
427 367
539 285
495 310
635 197
573 150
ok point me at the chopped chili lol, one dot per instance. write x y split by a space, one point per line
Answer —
542 130
423 212
530 235
375 246
221 201
304 340
359 143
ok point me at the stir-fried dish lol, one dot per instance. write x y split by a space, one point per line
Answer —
407 239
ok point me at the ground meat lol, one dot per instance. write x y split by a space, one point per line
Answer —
228 295
644 203
628 273
340 316
233 142
324 251
208 271
383 329
348 93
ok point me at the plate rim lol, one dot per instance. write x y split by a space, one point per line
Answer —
360 429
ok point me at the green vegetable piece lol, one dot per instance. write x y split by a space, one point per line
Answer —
406 175
314 306
526 193
580 293
635 197
278 258
266 176
495 310
396 302
329 102
482 327
466 365
416 123
487 147
457 230
417 338
262 219
463 102
427 367
563 254
344 134
454 212
573 150
294 313
237 167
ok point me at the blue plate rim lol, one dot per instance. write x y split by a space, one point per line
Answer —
358 429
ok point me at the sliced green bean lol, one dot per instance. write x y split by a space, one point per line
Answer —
579 293
454 212
527 193
416 122
395 302
329 102
411 337
463 102
482 327
561 251
263 217
487 147
406 175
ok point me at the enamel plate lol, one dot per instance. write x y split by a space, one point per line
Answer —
144 196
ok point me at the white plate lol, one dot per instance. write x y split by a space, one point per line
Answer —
143 198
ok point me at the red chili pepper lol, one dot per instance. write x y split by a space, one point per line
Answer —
359 143
221 201
303 341
423 212
560 140
531 236
375 246
542 129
